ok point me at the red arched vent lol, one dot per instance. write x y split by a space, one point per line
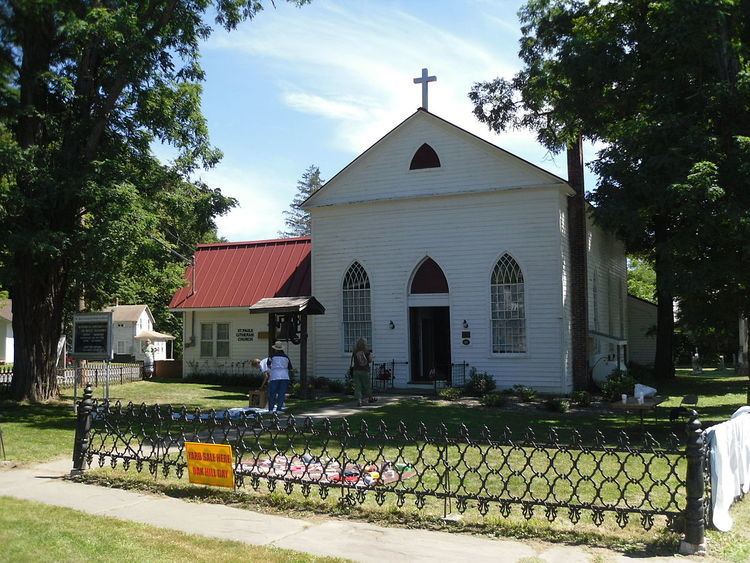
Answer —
425 157
429 279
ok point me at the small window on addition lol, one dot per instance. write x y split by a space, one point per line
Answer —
425 157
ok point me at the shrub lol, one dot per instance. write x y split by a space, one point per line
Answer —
557 404
295 389
494 400
479 385
251 381
617 384
526 394
320 382
582 398
336 386
639 372
450 394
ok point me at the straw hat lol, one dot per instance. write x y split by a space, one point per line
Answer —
278 346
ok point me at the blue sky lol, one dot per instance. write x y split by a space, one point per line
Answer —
320 84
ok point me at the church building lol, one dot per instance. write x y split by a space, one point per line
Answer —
445 252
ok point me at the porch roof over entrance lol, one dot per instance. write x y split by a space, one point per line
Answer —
304 305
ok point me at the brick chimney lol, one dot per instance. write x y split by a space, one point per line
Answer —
578 268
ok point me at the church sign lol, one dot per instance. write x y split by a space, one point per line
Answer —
92 336
245 334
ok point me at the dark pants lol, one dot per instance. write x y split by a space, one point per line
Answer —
277 394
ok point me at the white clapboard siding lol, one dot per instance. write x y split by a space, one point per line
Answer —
607 288
641 331
468 164
465 235
241 352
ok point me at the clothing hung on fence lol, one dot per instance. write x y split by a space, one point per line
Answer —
730 465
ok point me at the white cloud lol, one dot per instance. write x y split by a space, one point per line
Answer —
262 200
355 66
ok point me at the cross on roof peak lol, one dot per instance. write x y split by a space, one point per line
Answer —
424 80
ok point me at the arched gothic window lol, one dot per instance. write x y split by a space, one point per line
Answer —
508 307
356 311
425 157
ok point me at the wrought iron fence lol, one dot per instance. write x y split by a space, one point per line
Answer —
429 468
95 374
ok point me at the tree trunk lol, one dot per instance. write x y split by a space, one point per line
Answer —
664 361
37 326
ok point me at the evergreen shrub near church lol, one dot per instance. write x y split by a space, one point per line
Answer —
479 385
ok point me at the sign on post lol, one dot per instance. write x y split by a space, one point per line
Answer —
210 464
92 336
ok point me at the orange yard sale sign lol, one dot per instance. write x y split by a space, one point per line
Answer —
210 464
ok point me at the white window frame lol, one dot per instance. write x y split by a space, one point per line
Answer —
356 307
226 340
507 281
214 341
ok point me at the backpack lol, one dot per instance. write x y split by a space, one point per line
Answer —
357 358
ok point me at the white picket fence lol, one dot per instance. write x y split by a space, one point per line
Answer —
93 373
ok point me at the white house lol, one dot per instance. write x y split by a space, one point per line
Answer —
132 329
6 332
220 335
443 251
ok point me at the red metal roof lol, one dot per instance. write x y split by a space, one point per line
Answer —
238 274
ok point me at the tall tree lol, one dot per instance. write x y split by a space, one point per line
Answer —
297 220
85 89
657 82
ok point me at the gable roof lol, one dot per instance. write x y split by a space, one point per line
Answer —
423 112
239 274
6 309
128 313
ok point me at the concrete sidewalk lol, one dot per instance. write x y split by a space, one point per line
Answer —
326 537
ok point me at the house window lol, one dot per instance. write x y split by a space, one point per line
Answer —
356 310
121 346
425 157
207 340
222 340
214 337
508 307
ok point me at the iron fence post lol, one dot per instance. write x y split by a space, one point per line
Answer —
83 427
695 526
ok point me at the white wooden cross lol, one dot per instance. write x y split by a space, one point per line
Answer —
424 80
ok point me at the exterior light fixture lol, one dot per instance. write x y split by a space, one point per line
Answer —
391 325
465 324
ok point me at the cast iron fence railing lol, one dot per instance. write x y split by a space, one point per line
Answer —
96 374
488 472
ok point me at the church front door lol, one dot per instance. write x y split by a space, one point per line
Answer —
429 330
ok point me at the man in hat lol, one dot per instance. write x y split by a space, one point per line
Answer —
279 366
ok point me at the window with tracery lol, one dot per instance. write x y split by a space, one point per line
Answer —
357 321
508 307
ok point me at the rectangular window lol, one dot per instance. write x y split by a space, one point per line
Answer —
207 340
121 346
222 340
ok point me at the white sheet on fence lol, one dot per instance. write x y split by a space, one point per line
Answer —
730 465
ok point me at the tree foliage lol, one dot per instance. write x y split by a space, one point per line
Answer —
297 220
641 279
87 88
664 85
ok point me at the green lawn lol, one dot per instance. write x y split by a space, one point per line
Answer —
31 531
34 432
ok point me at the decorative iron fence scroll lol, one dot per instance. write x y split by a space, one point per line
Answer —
490 472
